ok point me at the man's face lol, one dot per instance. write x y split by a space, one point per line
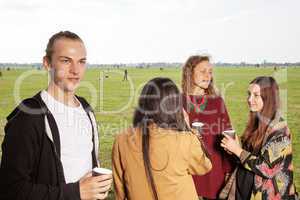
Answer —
68 64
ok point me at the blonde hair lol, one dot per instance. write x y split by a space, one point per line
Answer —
187 76
60 35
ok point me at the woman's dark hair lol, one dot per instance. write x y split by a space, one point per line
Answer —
160 103
258 122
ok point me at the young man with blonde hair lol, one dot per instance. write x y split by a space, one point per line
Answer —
51 140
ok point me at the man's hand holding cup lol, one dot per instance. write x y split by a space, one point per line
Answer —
96 184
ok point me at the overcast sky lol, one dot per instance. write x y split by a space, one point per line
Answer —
127 31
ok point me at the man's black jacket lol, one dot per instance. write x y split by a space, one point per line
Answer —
31 168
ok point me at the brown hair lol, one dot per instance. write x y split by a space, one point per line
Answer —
159 103
187 75
60 35
258 122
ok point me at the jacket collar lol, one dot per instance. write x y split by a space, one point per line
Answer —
278 123
135 135
51 128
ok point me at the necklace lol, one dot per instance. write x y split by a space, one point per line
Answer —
196 104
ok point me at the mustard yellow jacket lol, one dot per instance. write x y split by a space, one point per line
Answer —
175 157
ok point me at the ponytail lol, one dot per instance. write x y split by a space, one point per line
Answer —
146 156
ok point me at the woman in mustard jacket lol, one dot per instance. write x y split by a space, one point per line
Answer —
158 156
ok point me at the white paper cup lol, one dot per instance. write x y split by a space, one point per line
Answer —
230 133
97 171
197 124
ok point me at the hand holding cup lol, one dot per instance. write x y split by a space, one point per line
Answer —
231 144
198 126
96 184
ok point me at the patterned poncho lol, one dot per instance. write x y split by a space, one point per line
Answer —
272 167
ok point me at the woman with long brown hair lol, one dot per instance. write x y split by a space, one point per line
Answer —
265 171
158 156
203 104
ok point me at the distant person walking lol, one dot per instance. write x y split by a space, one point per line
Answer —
125 75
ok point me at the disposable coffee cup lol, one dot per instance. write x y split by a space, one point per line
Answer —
230 133
198 126
97 171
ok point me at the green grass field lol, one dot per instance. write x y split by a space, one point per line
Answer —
108 95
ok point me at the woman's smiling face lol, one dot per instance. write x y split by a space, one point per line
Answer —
202 74
255 100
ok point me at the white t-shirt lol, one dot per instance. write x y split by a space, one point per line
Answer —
75 132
